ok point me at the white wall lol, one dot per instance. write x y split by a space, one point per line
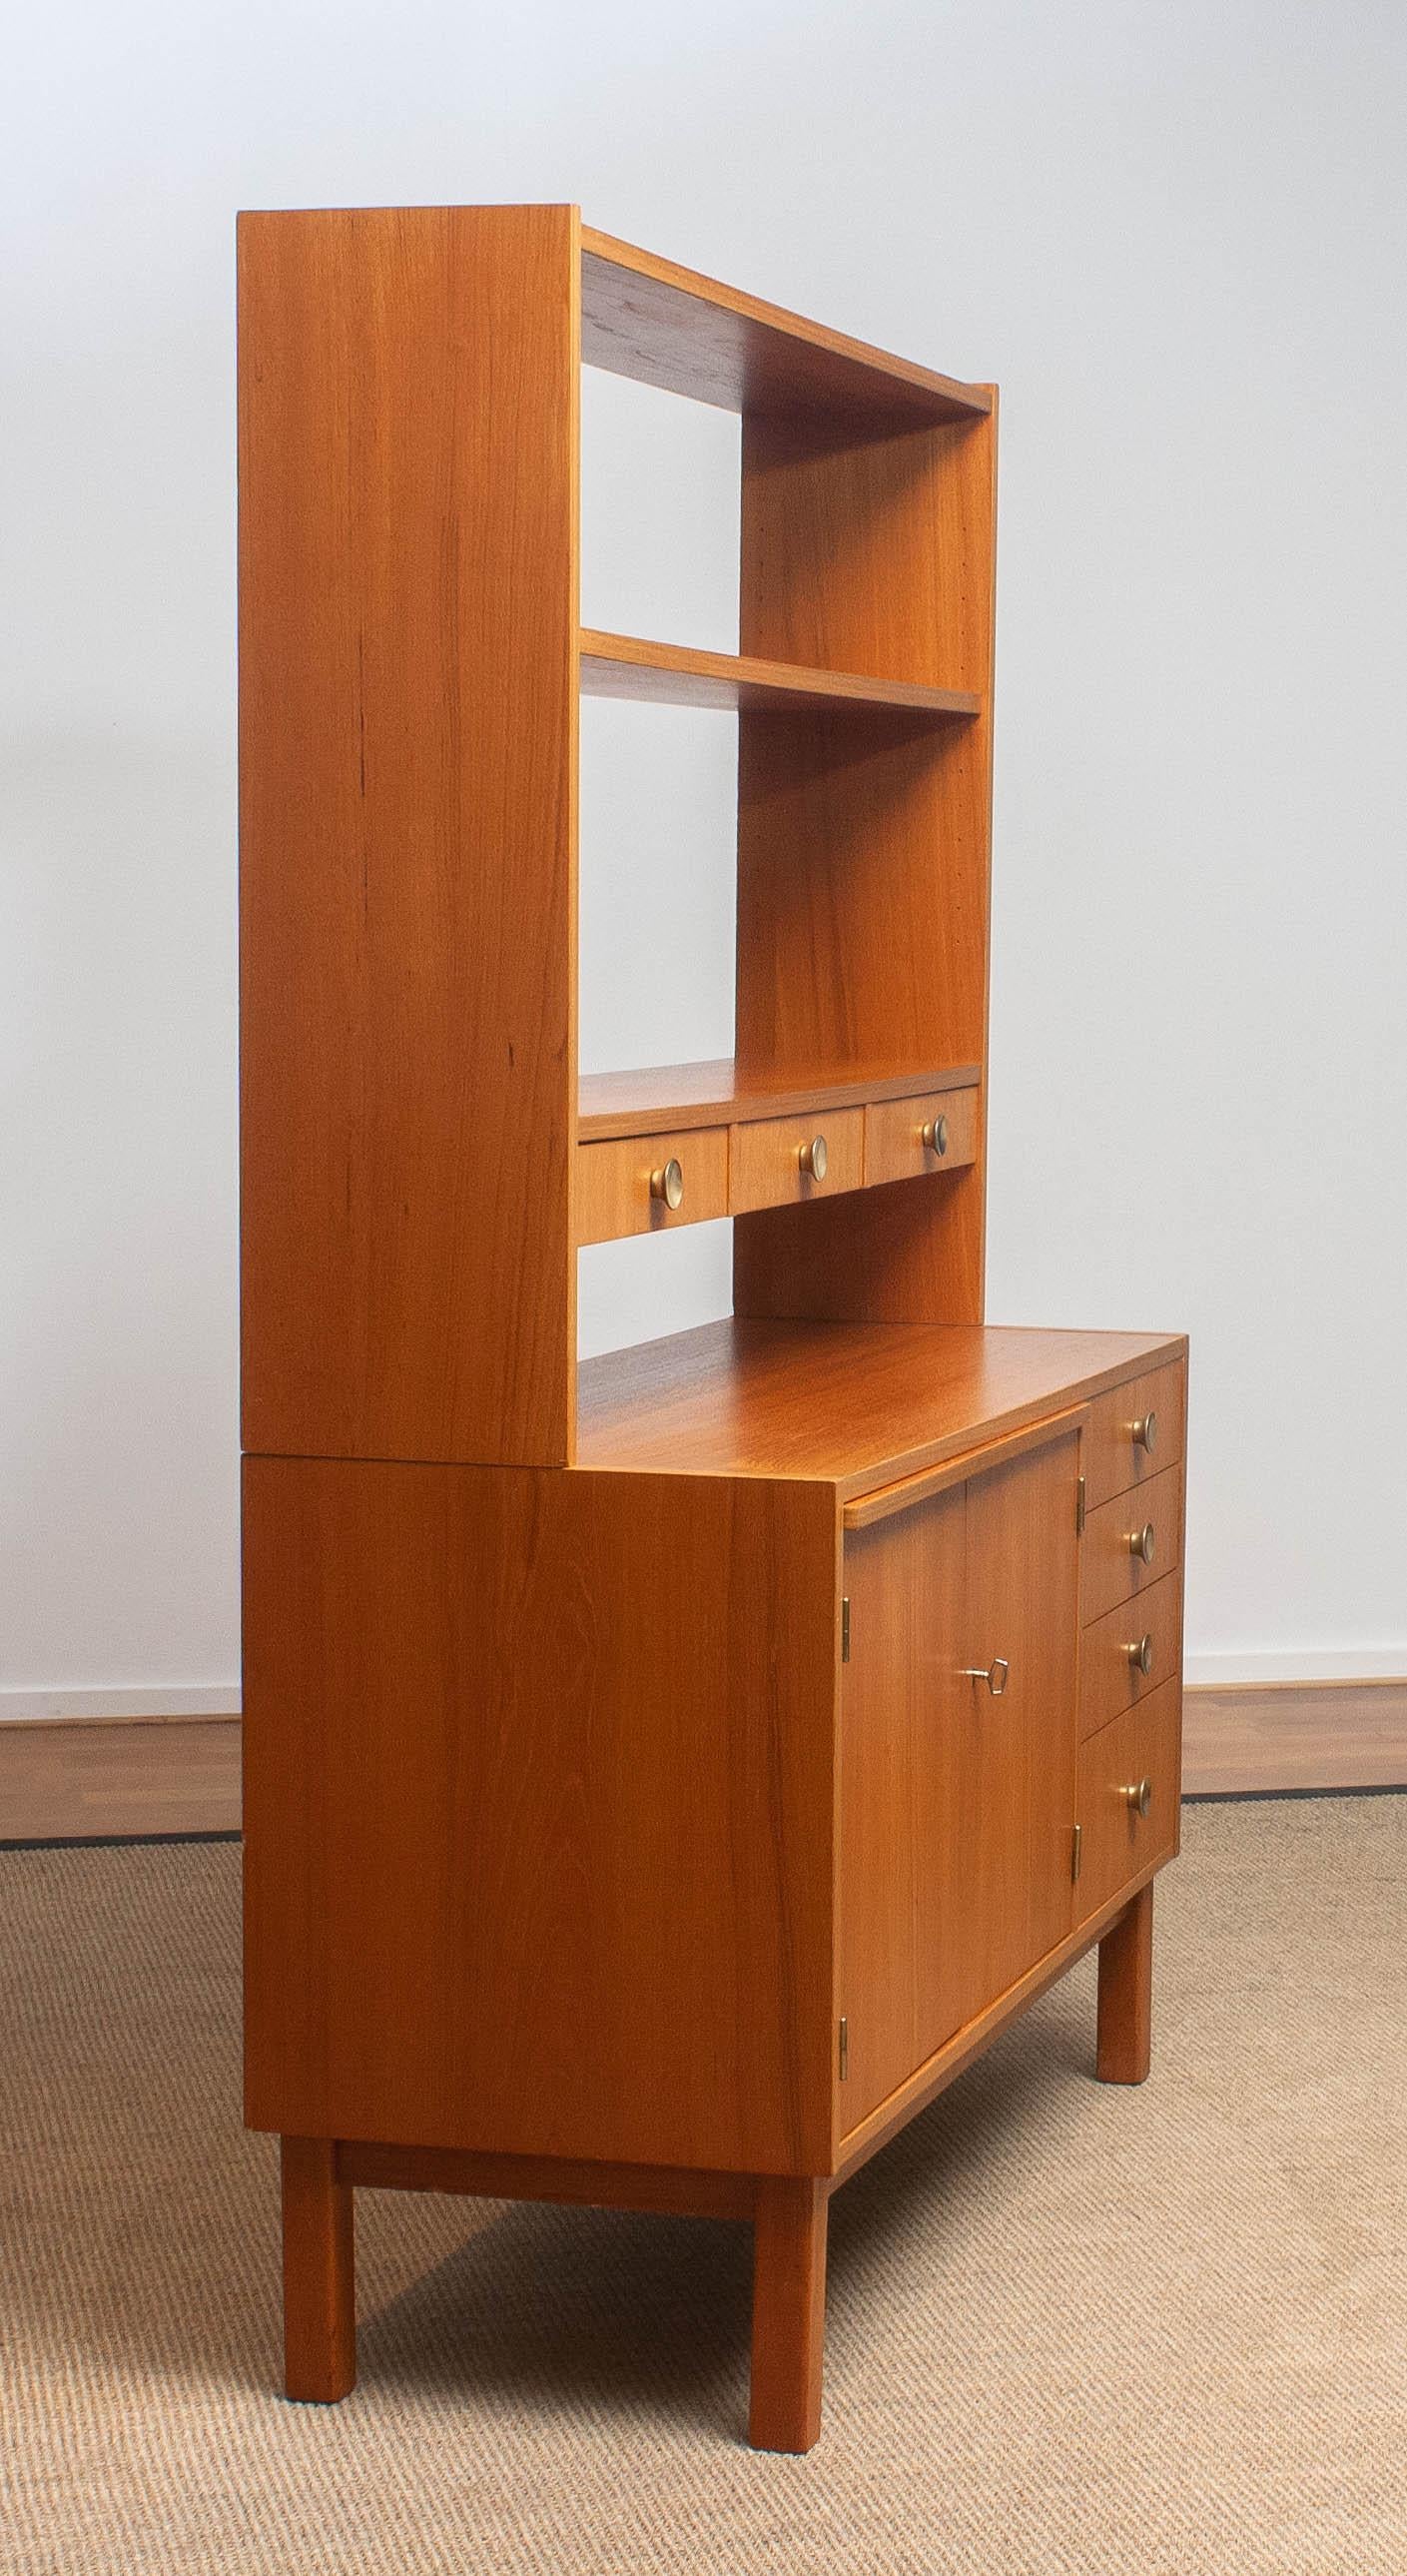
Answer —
1176 236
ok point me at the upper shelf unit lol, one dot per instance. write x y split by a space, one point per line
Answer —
675 675
644 317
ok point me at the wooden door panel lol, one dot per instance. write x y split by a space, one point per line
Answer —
1018 1781
956 1804
898 1711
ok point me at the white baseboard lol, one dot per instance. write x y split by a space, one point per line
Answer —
1233 1672
171 1699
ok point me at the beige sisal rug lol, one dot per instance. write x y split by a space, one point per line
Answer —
1073 2331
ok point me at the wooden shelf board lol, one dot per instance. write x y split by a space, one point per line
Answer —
664 325
854 1405
677 675
663 1097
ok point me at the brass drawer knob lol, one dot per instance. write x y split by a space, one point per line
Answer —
1140 1655
668 1184
1141 1543
935 1135
813 1158
993 1674
1139 1794
1144 1432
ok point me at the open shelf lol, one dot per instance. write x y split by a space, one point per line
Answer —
663 1097
859 1405
644 317
675 675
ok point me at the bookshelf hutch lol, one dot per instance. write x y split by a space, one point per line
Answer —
662 1776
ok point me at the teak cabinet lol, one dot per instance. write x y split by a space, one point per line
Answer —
663 1776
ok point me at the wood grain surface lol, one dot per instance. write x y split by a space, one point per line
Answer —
859 1405
1113 1463
678 675
1110 1681
863 884
408 726
538 1802
1117 1843
956 1803
614 1195
765 1170
1124 2047
664 325
1110 1571
709 1093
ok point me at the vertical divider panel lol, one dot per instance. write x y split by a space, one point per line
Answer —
864 843
409 392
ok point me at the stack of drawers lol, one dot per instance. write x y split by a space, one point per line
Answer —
1130 1770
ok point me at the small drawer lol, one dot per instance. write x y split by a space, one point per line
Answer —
1134 1432
1114 1651
935 1133
1128 1802
1131 1543
773 1162
639 1184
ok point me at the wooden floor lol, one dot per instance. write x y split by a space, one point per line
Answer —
1294 1735
72 1779
75 1779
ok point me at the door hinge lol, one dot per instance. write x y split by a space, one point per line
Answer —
845 1627
1076 1850
1079 1507
844 2048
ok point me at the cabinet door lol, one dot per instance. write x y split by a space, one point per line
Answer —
1015 1755
902 1702
957 1802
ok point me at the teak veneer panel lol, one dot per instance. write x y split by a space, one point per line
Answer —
709 1094
894 1143
538 1811
1117 1843
863 886
856 1405
1109 1570
1113 1464
955 1808
1109 1681
667 326
408 726
613 1194
764 1167
678 675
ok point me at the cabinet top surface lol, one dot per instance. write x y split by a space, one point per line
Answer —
855 1405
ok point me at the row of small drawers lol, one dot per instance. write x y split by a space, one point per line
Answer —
1131 1552
638 1184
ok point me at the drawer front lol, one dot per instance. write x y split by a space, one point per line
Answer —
1114 1460
614 1183
894 1140
765 1159
1112 1678
1136 1760
1131 1543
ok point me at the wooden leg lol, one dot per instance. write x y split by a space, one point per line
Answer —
1126 1995
788 2313
319 2282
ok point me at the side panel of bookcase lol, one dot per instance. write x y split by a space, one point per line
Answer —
864 848
539 1811
408 727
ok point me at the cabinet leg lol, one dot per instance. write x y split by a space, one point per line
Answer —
1126 1995
319 2283
788 2313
